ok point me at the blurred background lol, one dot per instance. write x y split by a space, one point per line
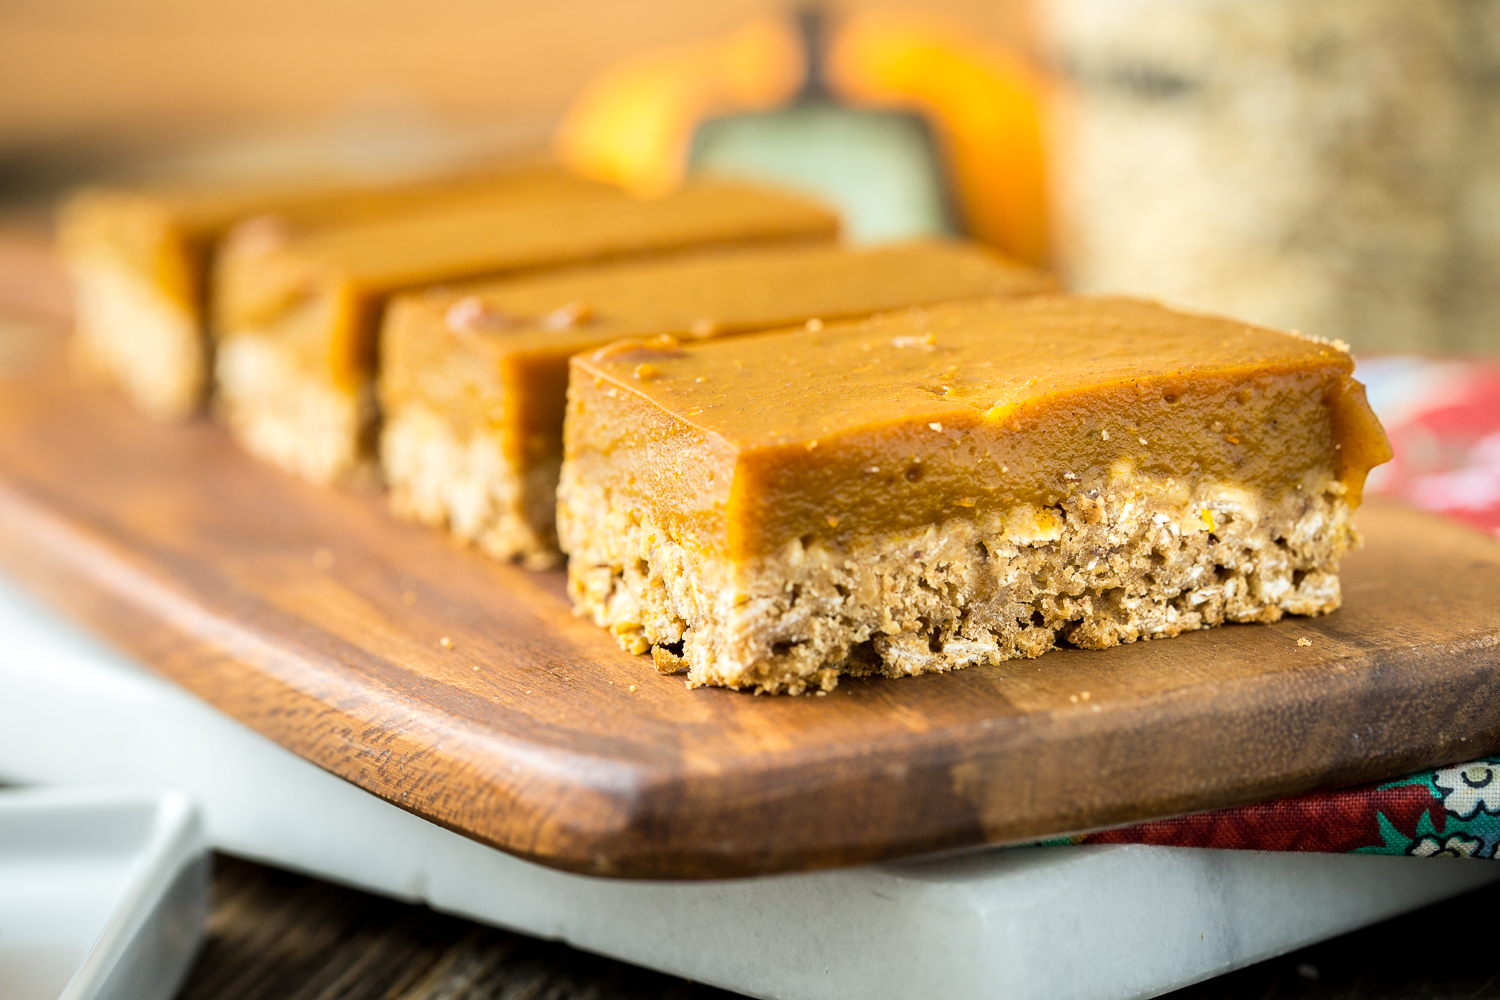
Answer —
87 84
1330 167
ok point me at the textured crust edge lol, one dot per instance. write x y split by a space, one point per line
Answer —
141 340
1128 559
468 486
284 416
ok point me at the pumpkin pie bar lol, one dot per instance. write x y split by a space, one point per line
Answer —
957 485
298 318
140 262
473 383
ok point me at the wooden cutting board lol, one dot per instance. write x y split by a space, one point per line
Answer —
315 618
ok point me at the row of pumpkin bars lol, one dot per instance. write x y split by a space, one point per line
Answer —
420 333
915 462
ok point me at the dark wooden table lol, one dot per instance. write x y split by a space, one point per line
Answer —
277 936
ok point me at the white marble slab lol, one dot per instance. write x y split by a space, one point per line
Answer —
1071 923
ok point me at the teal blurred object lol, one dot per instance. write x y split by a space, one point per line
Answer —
880 169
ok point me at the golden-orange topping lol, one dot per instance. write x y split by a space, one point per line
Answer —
914 416
496 355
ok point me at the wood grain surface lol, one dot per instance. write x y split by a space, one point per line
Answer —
315 618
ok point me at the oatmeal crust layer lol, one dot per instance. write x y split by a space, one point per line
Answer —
1125 559
469 486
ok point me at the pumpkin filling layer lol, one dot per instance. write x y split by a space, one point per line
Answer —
308 308
140 259
473 382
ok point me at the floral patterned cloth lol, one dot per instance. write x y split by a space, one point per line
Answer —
1443 418
1449 812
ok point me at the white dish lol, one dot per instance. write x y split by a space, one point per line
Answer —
103 893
